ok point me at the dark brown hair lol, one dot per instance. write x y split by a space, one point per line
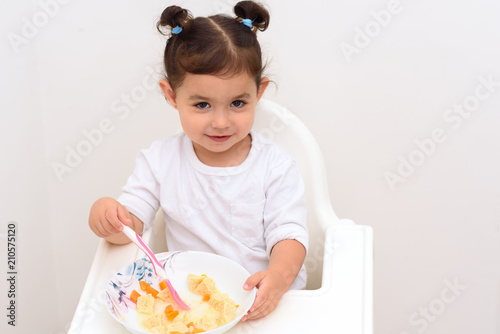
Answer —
218 45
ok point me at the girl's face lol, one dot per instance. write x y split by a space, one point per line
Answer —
217 114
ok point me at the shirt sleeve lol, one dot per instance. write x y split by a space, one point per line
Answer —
140 196
285 210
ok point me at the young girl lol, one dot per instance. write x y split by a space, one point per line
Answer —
222 187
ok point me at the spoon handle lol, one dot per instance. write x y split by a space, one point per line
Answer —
136 239
157 267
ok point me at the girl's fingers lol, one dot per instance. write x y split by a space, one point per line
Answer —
114 225
260 312
107 228
99 230
122 215
253 280
259 300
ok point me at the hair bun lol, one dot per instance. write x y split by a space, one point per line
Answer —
174 16
253 11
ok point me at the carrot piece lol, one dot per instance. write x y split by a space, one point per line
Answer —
175 332
163 285
190 324
206 297
152 291
168 309
134 295
198 330
144 286
172 315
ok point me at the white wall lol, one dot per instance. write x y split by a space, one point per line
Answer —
89 65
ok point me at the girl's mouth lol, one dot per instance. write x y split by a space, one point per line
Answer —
219 139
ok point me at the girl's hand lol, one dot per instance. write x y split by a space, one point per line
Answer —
287 257
272 286
106 217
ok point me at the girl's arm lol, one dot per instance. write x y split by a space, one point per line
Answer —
106 216
286 259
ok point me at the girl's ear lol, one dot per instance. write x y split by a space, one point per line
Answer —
168 92
262 87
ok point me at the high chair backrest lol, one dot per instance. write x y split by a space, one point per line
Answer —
288 131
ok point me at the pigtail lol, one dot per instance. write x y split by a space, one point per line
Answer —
254 12
174 16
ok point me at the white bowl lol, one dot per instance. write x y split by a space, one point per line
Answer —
228 275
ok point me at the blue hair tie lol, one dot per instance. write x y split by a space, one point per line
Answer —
176 30
247 22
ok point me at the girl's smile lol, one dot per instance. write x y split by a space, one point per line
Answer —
219 139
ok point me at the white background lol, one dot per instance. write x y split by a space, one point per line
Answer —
69 67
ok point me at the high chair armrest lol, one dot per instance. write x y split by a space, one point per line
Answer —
343 304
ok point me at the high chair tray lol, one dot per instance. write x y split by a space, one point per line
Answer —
343 304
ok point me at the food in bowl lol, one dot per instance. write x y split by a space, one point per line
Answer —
160 314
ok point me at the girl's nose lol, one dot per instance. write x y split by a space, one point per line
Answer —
220 119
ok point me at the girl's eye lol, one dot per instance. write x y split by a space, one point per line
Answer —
237 104
202 105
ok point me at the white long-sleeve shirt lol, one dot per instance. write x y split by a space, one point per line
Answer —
238 212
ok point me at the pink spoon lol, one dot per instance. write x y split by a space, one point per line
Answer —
157 267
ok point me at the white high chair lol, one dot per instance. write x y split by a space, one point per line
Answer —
339 294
